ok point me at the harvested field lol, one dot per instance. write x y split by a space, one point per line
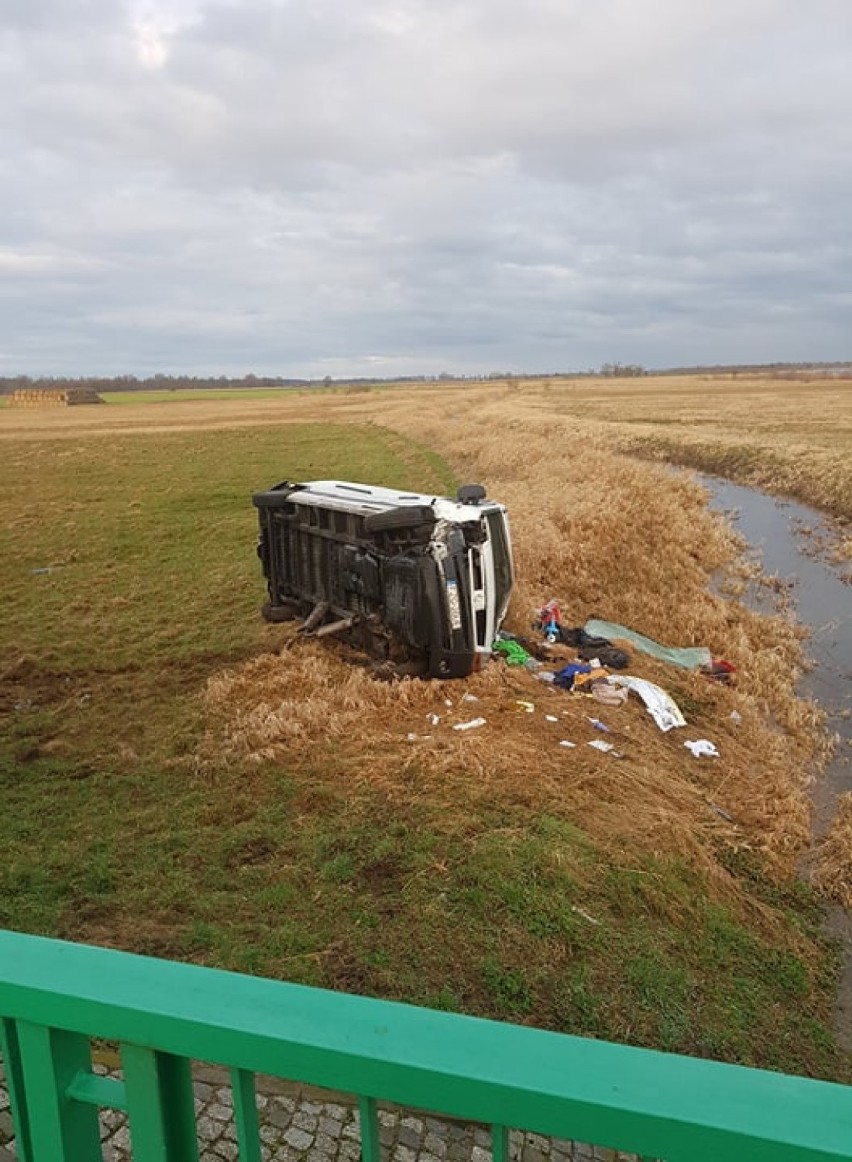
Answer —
269 810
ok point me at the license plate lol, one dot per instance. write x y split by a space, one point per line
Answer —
453 604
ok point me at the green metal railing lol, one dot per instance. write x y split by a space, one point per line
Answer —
55 997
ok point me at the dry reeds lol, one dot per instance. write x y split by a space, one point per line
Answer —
833 869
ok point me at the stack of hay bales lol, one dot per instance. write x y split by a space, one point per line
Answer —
38 397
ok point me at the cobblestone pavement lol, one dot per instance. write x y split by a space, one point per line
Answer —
304 1125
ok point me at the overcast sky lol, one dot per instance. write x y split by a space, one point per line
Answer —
357 187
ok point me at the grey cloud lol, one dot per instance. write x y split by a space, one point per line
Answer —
409 186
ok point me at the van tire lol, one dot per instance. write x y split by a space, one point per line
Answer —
277 614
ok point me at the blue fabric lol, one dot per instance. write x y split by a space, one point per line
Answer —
565 677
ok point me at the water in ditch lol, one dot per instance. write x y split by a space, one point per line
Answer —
787 536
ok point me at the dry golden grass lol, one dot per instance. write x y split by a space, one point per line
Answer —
832 873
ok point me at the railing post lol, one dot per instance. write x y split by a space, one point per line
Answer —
15 1085
245 1115
160 1105
61 1128
371 1150
499 1143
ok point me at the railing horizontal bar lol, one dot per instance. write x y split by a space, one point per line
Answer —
106 1092
646 1102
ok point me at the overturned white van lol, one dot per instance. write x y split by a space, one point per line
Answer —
408 577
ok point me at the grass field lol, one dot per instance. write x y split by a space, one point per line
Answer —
175 785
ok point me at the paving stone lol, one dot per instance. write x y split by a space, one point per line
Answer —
403 1154
435 1144
457 1133
278 1117
121 1138
326 1144
408 1136
298 1139
539 1143
335 1111
531 1154
330 1126
305 1121
227 1151
219 1112
479 1154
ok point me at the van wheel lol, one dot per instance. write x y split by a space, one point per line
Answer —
276 614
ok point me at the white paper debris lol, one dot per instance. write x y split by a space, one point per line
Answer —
702 747
567 742
472 725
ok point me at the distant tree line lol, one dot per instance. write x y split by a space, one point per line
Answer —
157 382
162 382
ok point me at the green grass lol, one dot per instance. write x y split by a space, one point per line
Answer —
199 394
112 832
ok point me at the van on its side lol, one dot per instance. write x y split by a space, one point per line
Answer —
406 576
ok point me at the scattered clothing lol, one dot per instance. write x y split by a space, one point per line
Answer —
583 680
566 677
702 747
661 706
608 695
589 647
719 669
687 657
512 651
